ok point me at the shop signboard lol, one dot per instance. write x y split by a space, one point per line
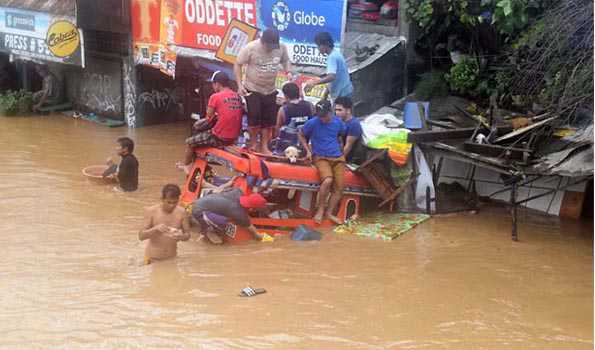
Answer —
158 26
41 36
299 21
238 34
203 22
153 30
313 95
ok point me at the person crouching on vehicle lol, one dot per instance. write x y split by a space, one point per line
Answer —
223 123
228 206
325 132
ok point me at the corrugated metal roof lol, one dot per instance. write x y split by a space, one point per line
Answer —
575 160
377 45
56 7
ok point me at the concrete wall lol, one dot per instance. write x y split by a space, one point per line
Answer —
159 98
97 88
380 83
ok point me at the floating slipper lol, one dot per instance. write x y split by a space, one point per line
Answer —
213 238
250 292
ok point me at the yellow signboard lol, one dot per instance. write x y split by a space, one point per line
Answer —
63 38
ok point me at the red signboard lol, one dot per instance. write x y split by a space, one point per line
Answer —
204 22
146 16
158 25
197 24
153 29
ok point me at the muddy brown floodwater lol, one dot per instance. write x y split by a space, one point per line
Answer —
69 274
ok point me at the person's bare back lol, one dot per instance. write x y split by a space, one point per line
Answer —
164 225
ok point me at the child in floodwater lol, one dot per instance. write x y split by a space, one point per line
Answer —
125 173
165 224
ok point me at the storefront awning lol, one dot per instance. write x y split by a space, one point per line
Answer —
55 7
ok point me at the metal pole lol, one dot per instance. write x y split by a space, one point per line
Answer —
555 190
522 184
471 178
514 204
428 201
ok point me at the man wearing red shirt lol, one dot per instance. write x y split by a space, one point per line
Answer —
223 123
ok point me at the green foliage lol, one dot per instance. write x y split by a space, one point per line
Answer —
431 84
420 11
512 16
464 77
509 17
530 37
16 102
551 63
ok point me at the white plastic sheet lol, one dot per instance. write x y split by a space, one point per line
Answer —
424 180
379 124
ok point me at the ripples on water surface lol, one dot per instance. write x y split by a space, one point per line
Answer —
69 274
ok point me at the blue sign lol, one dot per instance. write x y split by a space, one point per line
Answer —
298 22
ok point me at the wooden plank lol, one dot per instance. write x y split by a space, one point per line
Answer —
396 193
572 205
440 124
477 119
523 130
495 150
476 157
439 135
436 135
56 108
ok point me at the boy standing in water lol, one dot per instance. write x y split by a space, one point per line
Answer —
126 173
164 225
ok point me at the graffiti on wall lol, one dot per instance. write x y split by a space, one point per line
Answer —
129 96
101 93
161 100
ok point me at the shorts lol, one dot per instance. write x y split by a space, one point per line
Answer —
205 139
333 168
262 109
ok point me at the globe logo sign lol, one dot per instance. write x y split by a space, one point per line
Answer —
281 16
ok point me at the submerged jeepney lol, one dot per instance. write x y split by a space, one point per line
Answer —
294 190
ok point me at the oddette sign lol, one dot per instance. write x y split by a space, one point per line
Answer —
63 38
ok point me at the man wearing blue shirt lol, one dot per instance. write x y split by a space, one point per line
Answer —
324 133
353 148
337 72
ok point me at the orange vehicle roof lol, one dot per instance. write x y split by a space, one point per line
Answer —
245 162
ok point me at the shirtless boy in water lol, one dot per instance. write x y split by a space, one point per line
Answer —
164 225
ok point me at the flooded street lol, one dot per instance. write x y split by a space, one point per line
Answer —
70 275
